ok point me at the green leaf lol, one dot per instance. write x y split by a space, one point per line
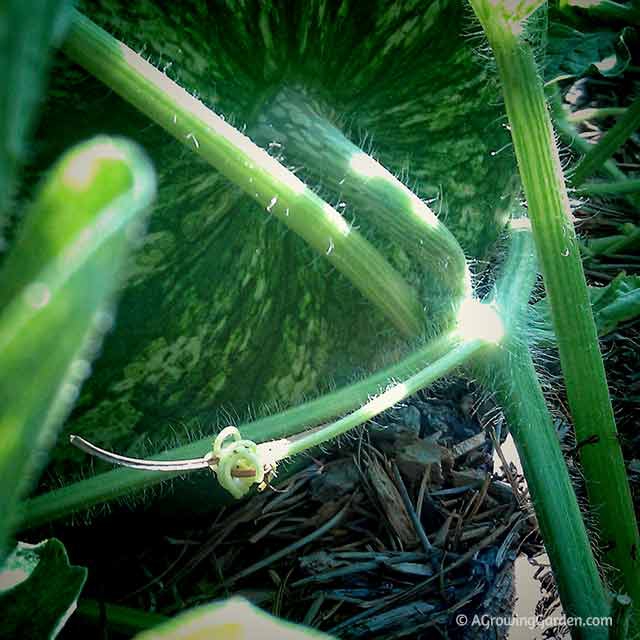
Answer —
38 590
56 291
234 619
618 302
573 53
27 30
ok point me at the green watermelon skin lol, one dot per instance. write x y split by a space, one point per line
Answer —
224 310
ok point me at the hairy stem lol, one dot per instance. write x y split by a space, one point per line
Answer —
511 375
111 485
508 371
295 123
262 177
284 448
564 279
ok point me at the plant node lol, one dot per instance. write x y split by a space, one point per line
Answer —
479 320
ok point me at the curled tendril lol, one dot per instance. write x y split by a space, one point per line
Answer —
231 452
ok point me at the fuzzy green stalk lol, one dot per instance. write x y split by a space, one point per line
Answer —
249 166
508 371
610 143
559 255
287 447
510 374
120 482
293 120
609 188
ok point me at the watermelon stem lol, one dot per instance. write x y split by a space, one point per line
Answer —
577 339
294 122
261 176
104 487
275 451
508 372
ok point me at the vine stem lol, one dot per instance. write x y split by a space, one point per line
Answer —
110 485
295 122
275 451
558 250
509 373
249 166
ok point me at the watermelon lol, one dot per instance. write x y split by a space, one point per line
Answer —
225 312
